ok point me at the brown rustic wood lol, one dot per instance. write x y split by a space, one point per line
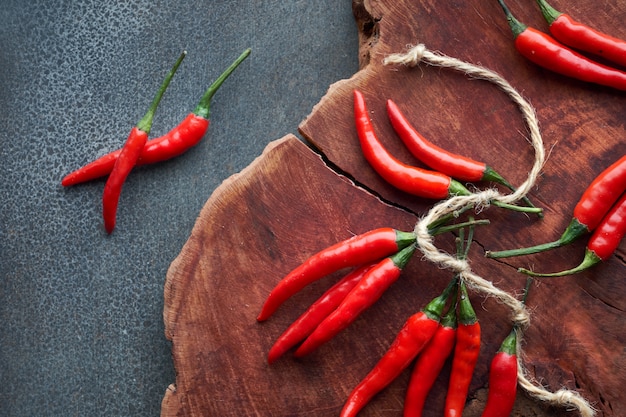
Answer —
288 204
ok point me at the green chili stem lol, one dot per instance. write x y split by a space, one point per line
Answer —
491 175
573 231
516 26
589 260
549 12
203 109
145 124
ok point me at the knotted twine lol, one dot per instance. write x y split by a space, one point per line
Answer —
520 317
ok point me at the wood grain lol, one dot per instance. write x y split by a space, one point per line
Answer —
288 204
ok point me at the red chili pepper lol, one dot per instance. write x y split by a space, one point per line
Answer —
129 154
603 242
580 36
548 53
465 356
367 291
429 365
175 142
416 333
317 312
592 207
410 179
503 379
457 166
358 250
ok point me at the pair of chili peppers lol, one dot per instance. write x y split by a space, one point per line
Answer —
130 153
177 141
601 210
414 180
553 55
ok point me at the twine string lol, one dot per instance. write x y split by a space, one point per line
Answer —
519 314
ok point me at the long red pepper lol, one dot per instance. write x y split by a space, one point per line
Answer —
408 178
366 292
502 379
175 142
548 53
415 334
602 244
318 311
357 250
130 153
429 364
592 207
466 353
581 36
456 166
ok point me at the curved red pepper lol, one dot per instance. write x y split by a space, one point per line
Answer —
465 357
592 207
366 292
583 37
415 334
177 141
602 244
357 250
502 379
457 166
413 180
429 364
316 313
548 53
130 153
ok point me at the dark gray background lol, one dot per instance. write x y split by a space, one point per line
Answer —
81 312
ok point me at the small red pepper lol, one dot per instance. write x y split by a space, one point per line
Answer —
457 166
415 334
366 292
429 364
357 250
502 379
465 356
548 53
582 37
408 178
602 244
175 142
318 311
592 207
130 153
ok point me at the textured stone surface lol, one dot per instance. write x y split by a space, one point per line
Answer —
80 311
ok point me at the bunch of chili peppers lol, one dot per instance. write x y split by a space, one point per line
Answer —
600 211
446 326
563 51
138 150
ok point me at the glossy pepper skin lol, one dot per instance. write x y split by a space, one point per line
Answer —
502 379
456 166
357 250
466 353
413 180
177 141
594 204
602 244
408 178
130 153
550 54
429 364
366 292
318 311
583 37
415 334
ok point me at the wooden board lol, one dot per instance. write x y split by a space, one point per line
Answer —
288 204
